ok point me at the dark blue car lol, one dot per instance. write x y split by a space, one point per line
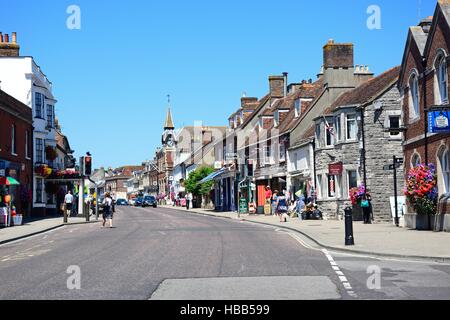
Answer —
150 201
138 202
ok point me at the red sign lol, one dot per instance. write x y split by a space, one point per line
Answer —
336 169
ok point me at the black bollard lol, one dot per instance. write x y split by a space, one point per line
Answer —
349 239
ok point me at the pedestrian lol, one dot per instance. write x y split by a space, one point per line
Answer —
300 206
68 203
107 210
189 198
281 207
366 205
274 202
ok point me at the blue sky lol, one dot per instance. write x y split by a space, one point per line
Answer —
111 77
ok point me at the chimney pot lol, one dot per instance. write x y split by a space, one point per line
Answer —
14 37
7 38
1 37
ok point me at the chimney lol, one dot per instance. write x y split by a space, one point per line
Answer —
285 76
8 49
338 55
425 24
277 87
245 101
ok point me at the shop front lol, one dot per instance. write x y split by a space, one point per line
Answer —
15 193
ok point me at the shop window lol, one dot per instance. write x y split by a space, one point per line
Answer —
445 165
352 179
39 188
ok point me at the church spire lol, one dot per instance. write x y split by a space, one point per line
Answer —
169 121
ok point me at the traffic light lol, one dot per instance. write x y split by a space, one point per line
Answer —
87 165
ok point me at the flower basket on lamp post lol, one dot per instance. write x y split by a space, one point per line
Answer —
422 194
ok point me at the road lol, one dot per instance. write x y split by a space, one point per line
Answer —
167 254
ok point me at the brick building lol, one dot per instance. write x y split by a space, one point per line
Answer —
16 136
424 86
116 181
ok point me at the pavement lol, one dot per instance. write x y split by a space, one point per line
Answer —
383 240
34 227
164 254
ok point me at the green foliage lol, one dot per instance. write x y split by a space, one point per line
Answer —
192 183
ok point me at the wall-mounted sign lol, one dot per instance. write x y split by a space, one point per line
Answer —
336 169
438 122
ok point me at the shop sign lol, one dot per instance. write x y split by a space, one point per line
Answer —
438 122
336 169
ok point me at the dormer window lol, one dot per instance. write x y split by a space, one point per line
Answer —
441 79
277 118
298 108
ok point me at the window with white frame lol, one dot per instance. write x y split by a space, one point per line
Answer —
295 161
298 107
351 126
414 96
13 140
39 105
277 118
329 131
50 116
267 154
445 165
282 152
337 128
442 79
319 186
318 136
39 150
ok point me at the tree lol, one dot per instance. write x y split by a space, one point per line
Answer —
193 184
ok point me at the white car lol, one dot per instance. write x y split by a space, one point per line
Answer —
131 201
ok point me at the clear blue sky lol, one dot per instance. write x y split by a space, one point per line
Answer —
111 77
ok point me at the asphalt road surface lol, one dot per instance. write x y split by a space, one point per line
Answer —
165 254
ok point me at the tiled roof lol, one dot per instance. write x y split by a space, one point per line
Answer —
366 91
261 104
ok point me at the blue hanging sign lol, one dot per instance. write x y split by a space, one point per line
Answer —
439 122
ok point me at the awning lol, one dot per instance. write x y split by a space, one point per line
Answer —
213 175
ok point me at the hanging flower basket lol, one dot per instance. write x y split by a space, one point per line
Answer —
50 153
421 189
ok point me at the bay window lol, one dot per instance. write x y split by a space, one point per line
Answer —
351 126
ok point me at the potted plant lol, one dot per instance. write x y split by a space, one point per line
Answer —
422 194
356 195
50 153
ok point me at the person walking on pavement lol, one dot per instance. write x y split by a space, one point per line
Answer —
68 203
189 199
366 204
107 210
274 202
281 207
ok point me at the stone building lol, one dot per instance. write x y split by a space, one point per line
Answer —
424 86
353 145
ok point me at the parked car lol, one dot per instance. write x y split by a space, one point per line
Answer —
150 201
122 202
138 202
131 201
